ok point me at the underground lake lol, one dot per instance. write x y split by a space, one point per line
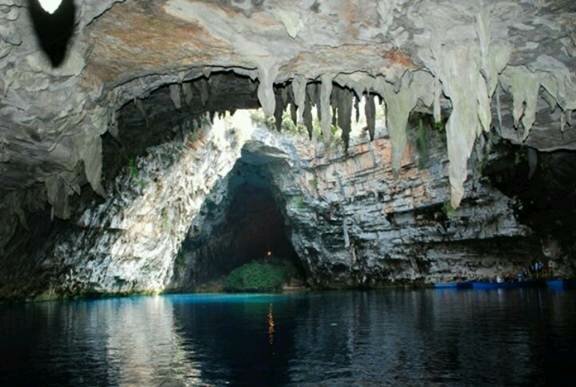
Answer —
287 192
388 337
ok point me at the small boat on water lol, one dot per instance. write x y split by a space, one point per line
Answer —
556 284
560 284
485 285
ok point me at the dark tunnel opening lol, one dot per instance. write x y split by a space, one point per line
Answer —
247 227
259 224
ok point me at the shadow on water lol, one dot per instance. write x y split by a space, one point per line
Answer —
53 32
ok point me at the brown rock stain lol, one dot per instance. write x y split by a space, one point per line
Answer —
130 38
399 57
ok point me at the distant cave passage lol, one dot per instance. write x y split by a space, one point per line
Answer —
248 227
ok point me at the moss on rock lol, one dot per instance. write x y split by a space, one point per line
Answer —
261 276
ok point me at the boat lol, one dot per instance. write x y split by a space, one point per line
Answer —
492 285
452 285
485 285
560 284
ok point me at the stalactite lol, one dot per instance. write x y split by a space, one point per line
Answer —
437 107
370 111
525 83
499 109
92 160
140 106
188 94
112 126
524 86
400 104
550 100
58 194
294 113
344 100
468 69
203 89
278 109
267 75
307 117
313 92
493 56
557 79
325 109
357 107
175 95
299 92
464 125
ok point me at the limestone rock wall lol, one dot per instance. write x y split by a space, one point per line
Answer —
355 223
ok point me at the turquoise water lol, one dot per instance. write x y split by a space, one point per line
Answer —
396 337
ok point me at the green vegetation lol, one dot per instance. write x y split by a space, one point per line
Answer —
448 210
314 182
288 125
439 126
165 220
134 173
263 276
132 167
298 202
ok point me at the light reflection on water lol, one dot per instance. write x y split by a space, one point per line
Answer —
394 336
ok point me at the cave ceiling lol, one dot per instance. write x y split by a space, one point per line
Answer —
509 64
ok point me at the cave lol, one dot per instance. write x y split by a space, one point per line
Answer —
247 225
387 171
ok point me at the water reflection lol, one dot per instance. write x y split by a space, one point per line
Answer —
396 337
270 325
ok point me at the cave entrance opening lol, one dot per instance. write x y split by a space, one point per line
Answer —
242 234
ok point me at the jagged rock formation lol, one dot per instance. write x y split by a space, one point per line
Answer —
53 116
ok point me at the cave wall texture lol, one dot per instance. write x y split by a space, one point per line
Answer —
350 220
128 69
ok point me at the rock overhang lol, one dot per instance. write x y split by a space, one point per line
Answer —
125 49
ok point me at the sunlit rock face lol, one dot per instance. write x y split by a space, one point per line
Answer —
131 239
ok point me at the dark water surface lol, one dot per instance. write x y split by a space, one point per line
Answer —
394 337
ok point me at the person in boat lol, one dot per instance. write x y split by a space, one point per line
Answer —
535 268
521 276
